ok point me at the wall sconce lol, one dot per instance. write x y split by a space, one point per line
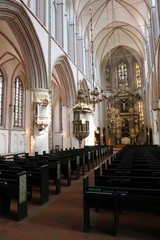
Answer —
24 133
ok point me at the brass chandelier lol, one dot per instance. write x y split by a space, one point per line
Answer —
96 96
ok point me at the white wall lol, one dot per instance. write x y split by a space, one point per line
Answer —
3 141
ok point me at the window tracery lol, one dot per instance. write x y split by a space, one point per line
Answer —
108 77
138 75
122 74
18 102
140 109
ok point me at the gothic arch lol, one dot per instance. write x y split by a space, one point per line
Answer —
30 50
62 76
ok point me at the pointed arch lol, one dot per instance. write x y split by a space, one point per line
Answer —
17 19
62 76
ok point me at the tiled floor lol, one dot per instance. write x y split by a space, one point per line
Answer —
62 219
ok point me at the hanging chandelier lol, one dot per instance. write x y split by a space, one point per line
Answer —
82 105
96 96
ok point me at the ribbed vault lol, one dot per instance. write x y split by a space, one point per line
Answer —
115 23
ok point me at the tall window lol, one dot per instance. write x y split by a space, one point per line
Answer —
18 102
1 96
122 74
108 77
140 109
138 75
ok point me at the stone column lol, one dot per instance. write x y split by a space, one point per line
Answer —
60 27
71 40
80 52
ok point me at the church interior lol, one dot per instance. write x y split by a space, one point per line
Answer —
79 91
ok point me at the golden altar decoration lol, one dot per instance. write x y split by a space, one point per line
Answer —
123 117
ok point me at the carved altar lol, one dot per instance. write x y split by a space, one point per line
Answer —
123 118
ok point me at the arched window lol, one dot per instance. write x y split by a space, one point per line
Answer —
138 75
109 105
122 74
108 77
1 96
140 109
18 103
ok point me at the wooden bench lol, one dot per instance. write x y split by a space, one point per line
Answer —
130 172
74 162
54 168
37 177
118 200
14 186
126 181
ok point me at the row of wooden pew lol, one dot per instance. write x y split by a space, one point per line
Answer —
130 181
20 175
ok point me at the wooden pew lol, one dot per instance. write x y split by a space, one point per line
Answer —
126 181
37 177
14 186
54 168
74 162
118 200
124 171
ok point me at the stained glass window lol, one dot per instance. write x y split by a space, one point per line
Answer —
140 109
122 74
108 77
108 105
138 75
18 102
1 96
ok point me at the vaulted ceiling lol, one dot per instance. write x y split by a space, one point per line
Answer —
115 23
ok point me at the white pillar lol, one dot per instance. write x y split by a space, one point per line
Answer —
71 40
60 25
89 141
80 52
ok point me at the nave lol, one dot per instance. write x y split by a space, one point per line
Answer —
62 218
